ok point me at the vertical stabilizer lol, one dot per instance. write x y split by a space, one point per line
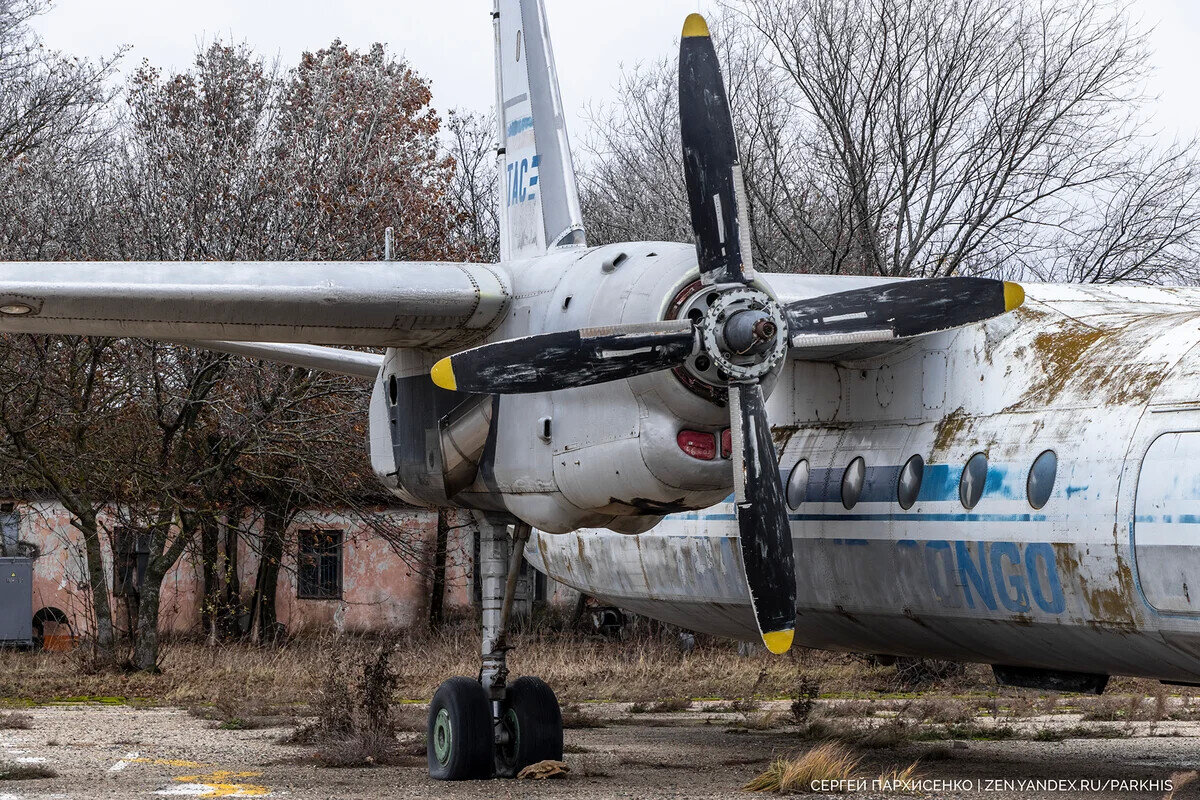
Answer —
539 201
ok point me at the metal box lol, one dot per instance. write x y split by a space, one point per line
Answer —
16 601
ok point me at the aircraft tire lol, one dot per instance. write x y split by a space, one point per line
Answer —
459 732
533 721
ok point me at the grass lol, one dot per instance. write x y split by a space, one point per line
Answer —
244 687
824 763
25 772
286 677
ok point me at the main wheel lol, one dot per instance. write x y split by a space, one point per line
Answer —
459 735
533 722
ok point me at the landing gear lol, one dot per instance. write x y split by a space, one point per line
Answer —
460 732
531 727
480 728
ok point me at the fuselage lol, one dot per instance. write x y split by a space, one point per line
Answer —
1102 577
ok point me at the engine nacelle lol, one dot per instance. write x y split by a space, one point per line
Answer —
608 455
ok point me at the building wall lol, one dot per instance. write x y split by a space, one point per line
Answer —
381 588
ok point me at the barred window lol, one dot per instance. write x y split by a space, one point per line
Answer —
320 565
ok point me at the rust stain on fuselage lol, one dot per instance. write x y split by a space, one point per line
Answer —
1109 606
1099 363
948 429
782 434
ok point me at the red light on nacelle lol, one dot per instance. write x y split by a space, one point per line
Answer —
698 444
726 443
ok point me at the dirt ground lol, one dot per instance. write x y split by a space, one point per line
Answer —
118 751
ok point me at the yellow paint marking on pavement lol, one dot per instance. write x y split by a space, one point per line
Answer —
168 762
220 784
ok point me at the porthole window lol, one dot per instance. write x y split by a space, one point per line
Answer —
974 476
909 485
852 482
797 485
1041 479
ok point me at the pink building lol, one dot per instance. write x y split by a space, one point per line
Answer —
336 573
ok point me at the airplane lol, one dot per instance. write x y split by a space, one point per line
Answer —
959 468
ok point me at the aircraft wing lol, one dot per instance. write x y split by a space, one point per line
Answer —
370 304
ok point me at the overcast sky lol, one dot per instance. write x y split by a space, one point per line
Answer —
450 41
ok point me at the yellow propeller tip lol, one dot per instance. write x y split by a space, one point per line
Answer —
694 26
443 375
1014 295
779 642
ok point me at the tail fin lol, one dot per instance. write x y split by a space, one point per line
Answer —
539 201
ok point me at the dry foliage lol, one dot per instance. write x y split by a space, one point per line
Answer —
828 762
543 770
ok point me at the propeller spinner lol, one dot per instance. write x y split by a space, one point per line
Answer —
745 332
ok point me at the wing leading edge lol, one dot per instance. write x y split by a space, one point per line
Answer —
368 304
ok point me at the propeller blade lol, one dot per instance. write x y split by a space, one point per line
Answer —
766 537
567 359
716 190
897 310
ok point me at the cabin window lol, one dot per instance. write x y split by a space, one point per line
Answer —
131 554
974 476
909 484
319 566
797 485
1041 479
852 482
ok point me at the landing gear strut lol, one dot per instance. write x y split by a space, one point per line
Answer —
485 727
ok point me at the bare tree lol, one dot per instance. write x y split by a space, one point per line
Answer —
954 136
476 184
64 405
1139 225
45 97
632 173
919 137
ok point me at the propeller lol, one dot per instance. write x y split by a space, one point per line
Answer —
744 332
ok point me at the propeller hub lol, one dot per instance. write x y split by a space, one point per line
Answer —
744 333
749 332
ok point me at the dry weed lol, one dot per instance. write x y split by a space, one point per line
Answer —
665 706
1180 780
355 725
25 772
943 711
13 722
288 677
807 693
849 708
575 718
1117 708
900 781
827 762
